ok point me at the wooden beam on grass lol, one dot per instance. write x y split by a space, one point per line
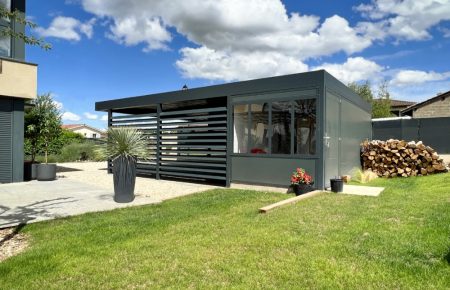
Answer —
289 201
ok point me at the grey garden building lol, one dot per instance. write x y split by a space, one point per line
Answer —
254 132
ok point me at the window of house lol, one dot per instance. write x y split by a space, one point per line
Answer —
6 4
281 127
94 135
305 126
259 128
240 129
5 45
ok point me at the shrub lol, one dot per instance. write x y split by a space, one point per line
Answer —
86 151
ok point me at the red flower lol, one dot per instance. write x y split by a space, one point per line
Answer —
299 176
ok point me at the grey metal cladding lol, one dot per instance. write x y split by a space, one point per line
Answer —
294 81
6 113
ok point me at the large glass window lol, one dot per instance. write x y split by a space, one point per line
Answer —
240 130
305 126
281 127
6 4
5 45
259 133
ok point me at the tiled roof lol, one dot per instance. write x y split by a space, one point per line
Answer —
426 102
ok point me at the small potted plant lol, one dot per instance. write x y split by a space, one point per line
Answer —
301 181
124 147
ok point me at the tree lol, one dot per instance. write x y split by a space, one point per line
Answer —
17 17
42 126
381 106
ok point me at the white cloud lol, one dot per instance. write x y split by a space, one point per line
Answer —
58 105
90 116
67 28
256 38
104 118
414 77
407 19
218 65
69 116
353 70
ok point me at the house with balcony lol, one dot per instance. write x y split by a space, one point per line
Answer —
18 83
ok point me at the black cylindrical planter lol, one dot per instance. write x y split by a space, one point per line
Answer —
302 188
337 185
27 170
124 175
46 172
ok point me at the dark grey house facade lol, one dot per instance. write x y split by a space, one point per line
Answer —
254 132
18 81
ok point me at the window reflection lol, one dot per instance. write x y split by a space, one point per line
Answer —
259 141
240 129
281 127
305 126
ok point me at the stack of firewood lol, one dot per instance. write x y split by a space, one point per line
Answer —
400 158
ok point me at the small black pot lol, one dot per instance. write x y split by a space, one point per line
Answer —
124 175
46 172
337 184
27 170
302 188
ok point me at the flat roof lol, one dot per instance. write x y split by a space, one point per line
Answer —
277 83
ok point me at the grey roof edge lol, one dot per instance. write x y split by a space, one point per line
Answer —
336 85
426 102
285 82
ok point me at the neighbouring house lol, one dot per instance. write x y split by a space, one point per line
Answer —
254 132
18 83
438 106
85 130
397 106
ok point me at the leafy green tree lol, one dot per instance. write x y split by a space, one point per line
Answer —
43 126
381 106
16 16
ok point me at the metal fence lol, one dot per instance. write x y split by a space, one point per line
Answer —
434 132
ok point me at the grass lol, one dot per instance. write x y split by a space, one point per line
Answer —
217 239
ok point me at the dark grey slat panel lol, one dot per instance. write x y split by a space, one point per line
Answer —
193 158
135 116
198 129
172 168
194 146
134 121
185 112
199 117
200 152
199 134
206 141
206 122
201 176
197 164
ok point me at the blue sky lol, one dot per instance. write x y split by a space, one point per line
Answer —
112 49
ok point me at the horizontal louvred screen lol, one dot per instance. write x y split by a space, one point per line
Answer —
5 140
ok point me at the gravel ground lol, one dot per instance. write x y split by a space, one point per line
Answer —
11 243
95 173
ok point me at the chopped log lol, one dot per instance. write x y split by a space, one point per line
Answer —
393 158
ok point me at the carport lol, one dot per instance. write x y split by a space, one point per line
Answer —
254 132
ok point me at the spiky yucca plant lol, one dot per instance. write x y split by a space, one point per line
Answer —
127 142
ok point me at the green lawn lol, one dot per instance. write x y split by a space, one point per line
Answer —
217 239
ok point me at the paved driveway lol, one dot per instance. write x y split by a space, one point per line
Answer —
81 188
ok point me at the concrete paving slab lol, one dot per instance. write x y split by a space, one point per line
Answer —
34 201
362 190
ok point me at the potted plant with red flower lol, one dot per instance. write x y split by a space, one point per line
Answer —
301 181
